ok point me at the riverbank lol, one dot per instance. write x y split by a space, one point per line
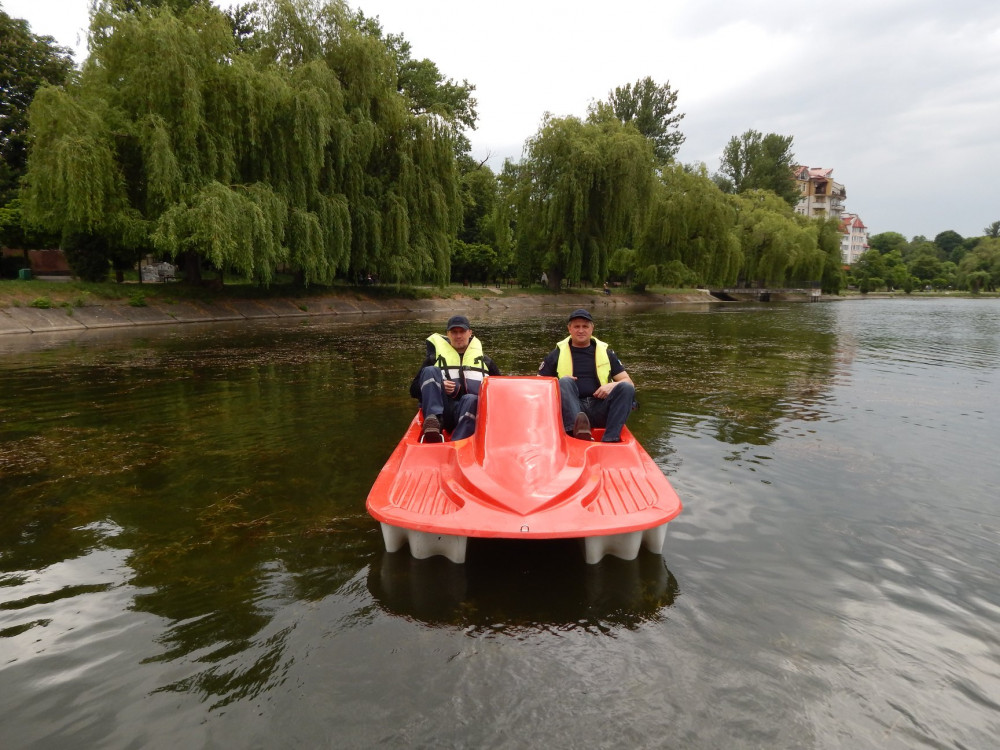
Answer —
25 316
37 307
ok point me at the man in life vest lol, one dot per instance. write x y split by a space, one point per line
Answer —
594 388
448 383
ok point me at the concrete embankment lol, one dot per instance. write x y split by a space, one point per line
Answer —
120 314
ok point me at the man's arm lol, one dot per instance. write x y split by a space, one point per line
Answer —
415 383
619 376
605 389
548 365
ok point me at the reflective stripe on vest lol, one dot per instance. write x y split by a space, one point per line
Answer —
564 366
469 368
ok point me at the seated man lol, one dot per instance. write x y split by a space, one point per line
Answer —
594 388
449 380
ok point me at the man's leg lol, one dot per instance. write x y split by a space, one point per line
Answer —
569 399
432 403
619 406
431 392
465 416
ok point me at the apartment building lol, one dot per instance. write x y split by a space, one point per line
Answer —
854 239
822 197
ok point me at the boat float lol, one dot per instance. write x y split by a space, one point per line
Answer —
520 476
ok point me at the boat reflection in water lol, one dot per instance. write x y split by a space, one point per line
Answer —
512 585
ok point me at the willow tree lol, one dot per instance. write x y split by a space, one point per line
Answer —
980 268
828 240
778 246
293 150
580 193
392 162
27 63
690 222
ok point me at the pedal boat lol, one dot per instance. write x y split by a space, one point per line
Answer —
520 476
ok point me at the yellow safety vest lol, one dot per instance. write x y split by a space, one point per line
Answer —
469 367
564 366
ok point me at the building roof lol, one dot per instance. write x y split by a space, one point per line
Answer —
814 173
849 221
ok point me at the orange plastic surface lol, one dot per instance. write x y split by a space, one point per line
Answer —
521 476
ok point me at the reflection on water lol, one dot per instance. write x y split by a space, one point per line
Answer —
185 555
507 587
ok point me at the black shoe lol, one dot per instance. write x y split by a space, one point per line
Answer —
581 427
432 430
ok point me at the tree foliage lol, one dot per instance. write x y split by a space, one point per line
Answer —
980 268
27 62
425 87
886 242
948 242
580 192
778 245
828 240
692 223
925 265
651 108
475 263
15 232
295 150
298 134
753 161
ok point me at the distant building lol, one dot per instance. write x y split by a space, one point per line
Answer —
821 196
854 240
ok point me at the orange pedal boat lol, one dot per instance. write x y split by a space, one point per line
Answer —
520 476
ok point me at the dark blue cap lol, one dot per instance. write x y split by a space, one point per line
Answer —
580 313
458 321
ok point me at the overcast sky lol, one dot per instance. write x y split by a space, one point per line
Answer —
900 97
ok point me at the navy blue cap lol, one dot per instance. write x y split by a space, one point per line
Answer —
458 321
580 313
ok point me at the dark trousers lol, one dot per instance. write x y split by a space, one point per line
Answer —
610 412
457 415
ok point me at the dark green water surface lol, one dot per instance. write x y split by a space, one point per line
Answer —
186 560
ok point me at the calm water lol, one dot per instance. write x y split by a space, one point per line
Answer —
185 558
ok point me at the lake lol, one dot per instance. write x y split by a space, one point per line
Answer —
186 560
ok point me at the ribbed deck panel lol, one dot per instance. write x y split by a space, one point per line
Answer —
623 491
419 491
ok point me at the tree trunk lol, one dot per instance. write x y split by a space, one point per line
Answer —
191 262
